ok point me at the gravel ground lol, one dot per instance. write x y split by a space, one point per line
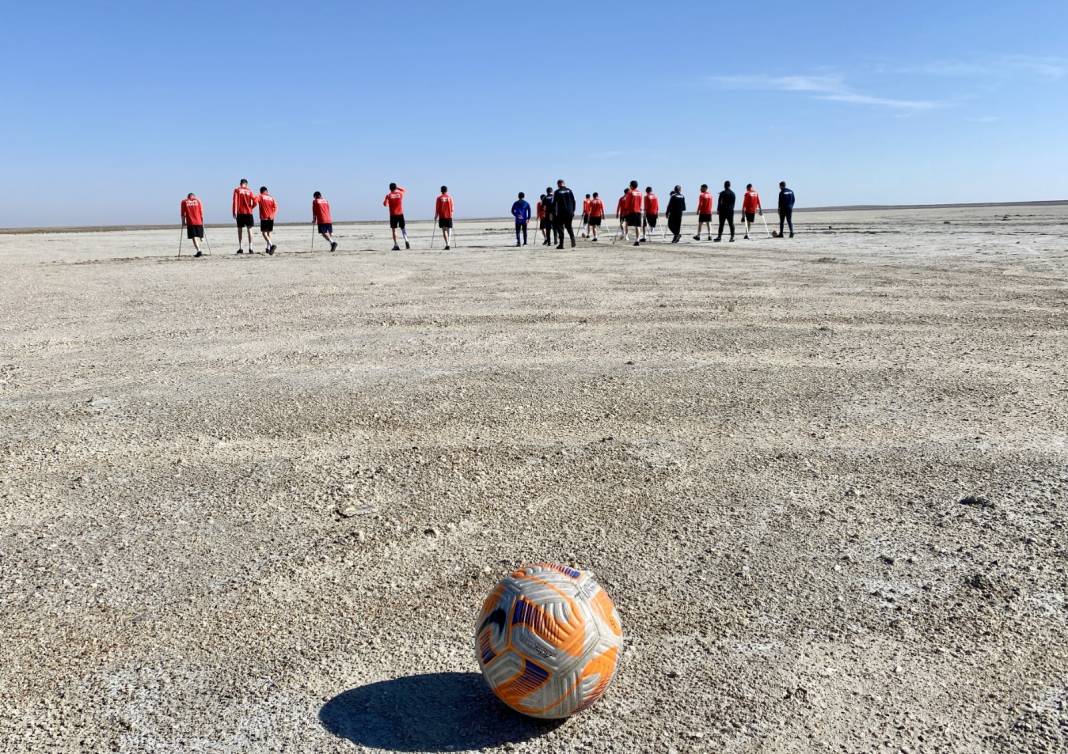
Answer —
253 504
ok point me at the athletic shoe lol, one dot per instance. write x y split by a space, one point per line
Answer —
745 238
675 239
732 239
641 240
406 244
517 244
198 254
572 244
240 251
697 238
791 234
274 248
636 243
446 248
333 246
561 246
396 248
717 239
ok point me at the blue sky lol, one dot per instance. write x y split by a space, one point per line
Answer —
111 112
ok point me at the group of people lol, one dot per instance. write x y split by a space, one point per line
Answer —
638 212
555 211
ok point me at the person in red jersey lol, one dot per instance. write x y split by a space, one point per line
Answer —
268 211
193 221
596 214
243 204
586 216
750 207
652 210
704 212
395 201
321 217
635 207
622 207
541 211
443 207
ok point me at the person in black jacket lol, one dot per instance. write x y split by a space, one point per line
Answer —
547 227
725 210
786 208
563 213
675 207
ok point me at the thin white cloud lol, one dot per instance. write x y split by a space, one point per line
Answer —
1004 66
830 88
1047 67
866 99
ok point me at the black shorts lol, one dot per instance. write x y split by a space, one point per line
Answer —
326 227
595 221
585 218
194 231
650 220
546 224
445 222
396 221
266 226
704 217
245 221
750 217
634 220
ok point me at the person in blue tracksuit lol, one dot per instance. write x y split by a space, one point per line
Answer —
786 208
521 213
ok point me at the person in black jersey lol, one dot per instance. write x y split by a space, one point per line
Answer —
563 213
725 210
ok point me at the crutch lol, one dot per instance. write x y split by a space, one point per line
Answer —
765 224
452 237
312 247
181 237
433 233
206 242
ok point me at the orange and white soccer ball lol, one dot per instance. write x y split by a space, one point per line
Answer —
548 640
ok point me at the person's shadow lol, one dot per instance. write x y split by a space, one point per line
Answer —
432 712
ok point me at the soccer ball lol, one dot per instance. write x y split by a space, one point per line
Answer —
548 640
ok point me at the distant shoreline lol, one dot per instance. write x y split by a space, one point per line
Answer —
842 208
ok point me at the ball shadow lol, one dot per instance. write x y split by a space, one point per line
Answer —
432 712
